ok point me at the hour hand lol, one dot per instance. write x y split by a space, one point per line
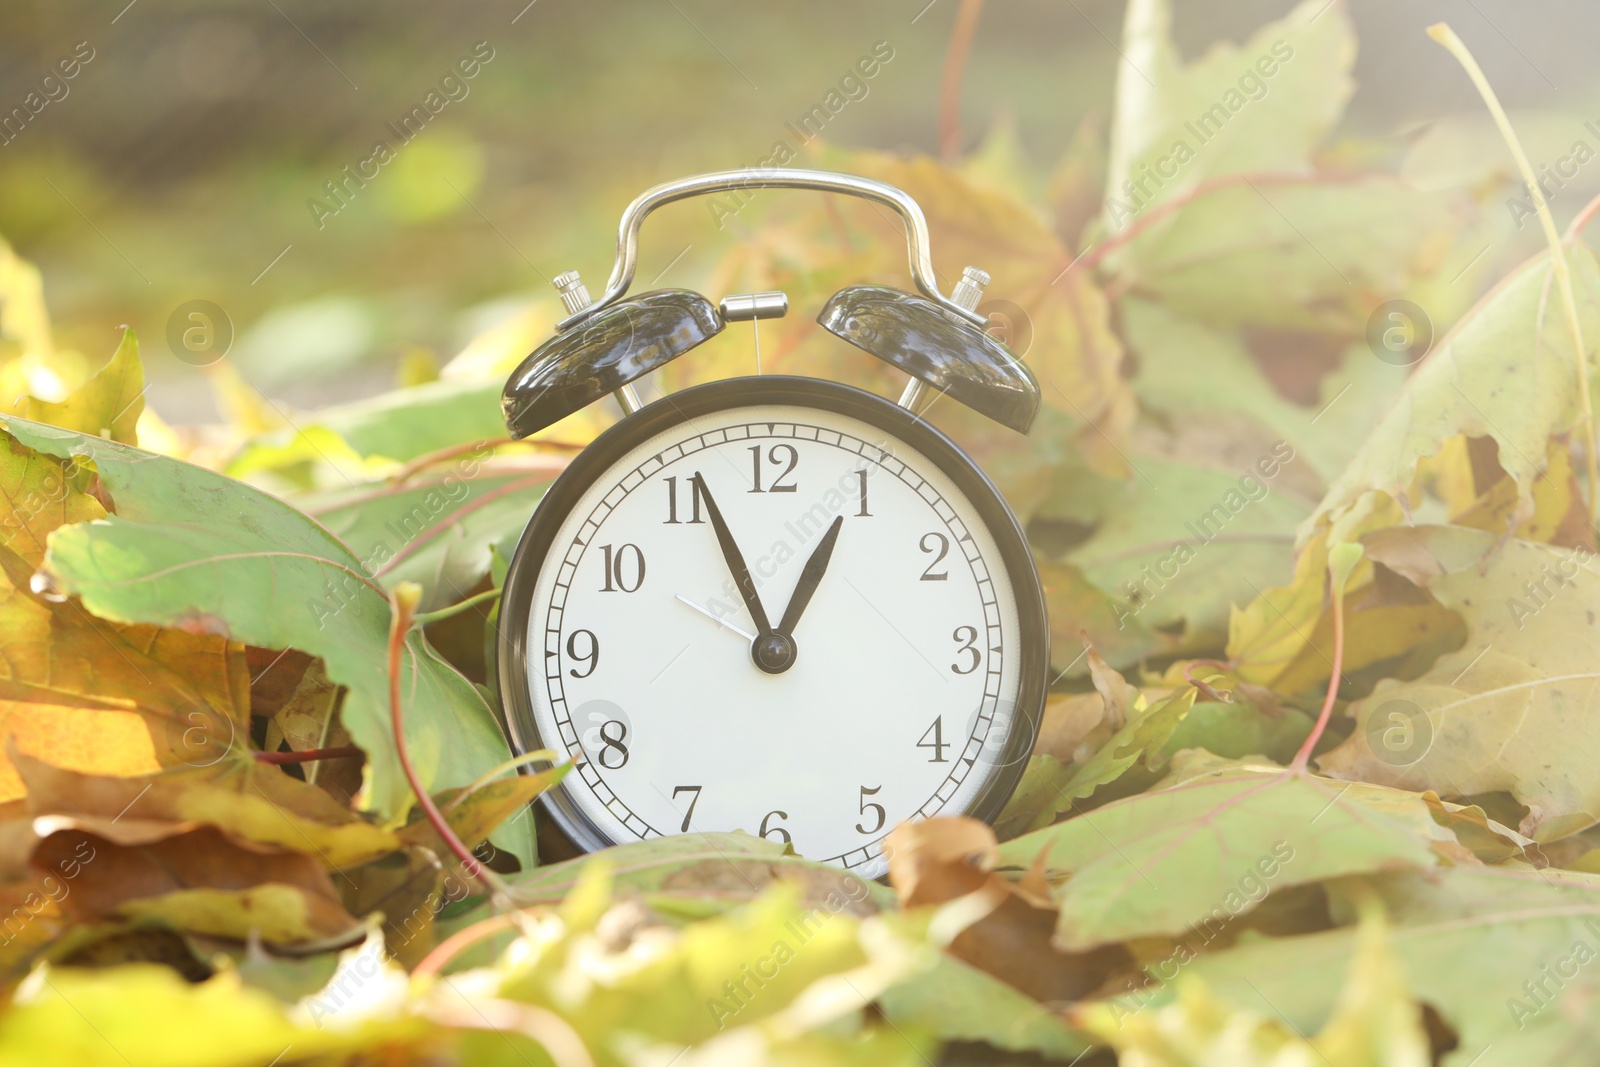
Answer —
810 577
734 559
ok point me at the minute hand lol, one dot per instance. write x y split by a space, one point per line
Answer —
810 577
734 559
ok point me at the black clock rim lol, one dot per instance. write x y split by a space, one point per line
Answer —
510 647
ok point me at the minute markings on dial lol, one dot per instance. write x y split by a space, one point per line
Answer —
988 618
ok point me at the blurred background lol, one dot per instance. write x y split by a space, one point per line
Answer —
188 157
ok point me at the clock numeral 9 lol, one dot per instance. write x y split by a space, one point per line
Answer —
618 568
591 657
938 744
875 806
672 501
967 638
613 744
780 831
690 813
773 457
942 547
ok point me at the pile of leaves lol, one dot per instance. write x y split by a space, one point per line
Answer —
1315 783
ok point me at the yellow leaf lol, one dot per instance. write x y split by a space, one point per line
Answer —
108 404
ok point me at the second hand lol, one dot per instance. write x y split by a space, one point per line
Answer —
719 620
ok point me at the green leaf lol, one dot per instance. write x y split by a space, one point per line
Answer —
436 531
1235 731
1374 1024
193 550
955 1001
1294 253
1514 709
1140 740
398 425
1505 372
1148 865
109 404
1504 955
1191 372
1173 549
1161 101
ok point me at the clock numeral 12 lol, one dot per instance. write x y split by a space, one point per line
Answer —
690 813
875 806
938 744
614 564
780 831
773 454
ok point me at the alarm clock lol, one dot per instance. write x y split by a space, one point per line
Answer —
775 604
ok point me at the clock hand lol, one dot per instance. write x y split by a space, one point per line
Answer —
735 561
810 577
718 619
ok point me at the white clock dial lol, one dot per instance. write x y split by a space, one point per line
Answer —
894 698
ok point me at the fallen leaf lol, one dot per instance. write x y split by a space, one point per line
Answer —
108 404
1511 709
1147 865
246 565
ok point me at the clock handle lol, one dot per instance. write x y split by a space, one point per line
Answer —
770 178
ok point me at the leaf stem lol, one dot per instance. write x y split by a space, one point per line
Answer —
955 66
309 755
428 618
402 605
460 941
1441 32
1342 559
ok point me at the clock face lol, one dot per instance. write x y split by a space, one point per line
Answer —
902 682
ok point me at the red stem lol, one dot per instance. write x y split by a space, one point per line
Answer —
1585 217
1167 208
399 626
310 755
1303 757
458 942
955 66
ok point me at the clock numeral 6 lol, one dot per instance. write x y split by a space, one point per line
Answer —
938 744
774 456
618 568
613 744
591 658
695 800
942 547
780 831
966 637
875 806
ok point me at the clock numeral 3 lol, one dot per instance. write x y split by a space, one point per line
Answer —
942 548
618 568
967 638
672 501
938 744
591 657
690 813
613 744
773 457
780 831
875 806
